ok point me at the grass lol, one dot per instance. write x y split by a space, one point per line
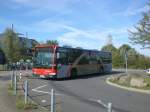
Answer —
127 84
20 104
147 80
10 89
122 84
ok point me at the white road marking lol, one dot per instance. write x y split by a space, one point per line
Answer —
45 92
101 103
39 87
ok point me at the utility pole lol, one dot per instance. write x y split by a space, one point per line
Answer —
126 60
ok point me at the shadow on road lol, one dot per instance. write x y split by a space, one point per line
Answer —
89 76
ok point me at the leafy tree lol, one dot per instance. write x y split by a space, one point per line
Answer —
67 46
109 39
115 55
124 47
11 47
109 48
141 35
135 60
52 42
2 57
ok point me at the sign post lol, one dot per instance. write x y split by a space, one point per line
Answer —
126 60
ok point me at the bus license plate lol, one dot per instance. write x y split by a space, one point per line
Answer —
42 76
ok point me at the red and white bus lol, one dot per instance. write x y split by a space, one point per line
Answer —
52 61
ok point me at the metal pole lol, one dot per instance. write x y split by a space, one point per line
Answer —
15 84
20 75
126 66
12 79
26 91
109 107
126 60
52 109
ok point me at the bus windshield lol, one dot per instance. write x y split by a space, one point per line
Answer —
43 59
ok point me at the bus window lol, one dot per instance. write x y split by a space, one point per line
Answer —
84 60
62 58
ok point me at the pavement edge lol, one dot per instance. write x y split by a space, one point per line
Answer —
127 88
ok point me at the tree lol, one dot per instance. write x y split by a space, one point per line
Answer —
67 46
116 60
124 48
11 47
2 57
141 35
109 48
109 39
52 42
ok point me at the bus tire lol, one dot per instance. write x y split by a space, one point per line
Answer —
73 73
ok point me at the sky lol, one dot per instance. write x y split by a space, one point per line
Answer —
78 23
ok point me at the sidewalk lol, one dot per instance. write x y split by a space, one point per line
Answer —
7 101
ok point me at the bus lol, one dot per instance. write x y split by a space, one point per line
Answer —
51 61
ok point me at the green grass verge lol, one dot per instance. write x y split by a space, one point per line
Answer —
147 80
10 89
127 84
20 104
122 84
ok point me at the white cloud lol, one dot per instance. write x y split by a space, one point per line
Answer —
90 38
68 34
43 6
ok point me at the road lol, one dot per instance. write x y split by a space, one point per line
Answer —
81 95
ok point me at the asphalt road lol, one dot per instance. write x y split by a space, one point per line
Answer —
81 95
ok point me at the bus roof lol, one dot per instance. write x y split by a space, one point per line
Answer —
53 46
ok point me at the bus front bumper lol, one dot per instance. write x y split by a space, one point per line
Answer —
44 76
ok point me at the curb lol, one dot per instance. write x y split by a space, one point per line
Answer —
127 88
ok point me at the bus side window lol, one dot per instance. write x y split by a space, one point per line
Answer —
84 60
62 58
93 60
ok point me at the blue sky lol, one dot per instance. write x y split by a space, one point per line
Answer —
84 23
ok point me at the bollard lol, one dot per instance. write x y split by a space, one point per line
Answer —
109 107
20 75
15 84
52 109
26 91
12 79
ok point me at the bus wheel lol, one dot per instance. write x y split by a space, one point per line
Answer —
73 73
